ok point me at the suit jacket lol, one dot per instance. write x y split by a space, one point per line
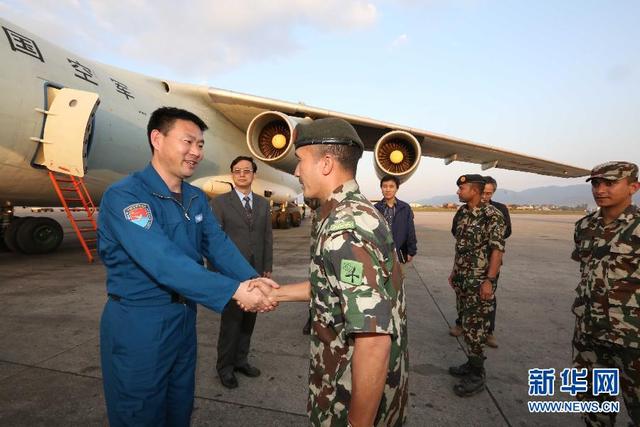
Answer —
403 229
255 239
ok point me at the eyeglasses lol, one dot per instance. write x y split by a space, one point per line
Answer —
242 171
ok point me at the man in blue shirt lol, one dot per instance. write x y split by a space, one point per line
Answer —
154 231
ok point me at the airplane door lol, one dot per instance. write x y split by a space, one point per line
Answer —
67 129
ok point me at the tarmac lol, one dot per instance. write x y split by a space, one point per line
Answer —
50 309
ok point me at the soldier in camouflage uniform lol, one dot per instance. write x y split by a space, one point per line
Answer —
607 308
359 362
479 247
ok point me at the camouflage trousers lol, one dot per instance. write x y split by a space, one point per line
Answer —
492 326
474 313
590 353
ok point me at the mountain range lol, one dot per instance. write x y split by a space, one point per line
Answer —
571 195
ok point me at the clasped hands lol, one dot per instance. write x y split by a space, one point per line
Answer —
257 295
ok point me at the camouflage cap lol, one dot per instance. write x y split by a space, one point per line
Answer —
327 131
470 177
614 171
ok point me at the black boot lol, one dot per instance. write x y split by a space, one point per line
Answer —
460 371
474 381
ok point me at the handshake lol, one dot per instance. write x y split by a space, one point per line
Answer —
257 295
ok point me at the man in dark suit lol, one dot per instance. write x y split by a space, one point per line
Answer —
246 218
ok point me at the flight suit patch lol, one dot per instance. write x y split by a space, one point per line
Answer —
139 214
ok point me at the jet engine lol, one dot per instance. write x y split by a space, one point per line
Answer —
270 139
397 153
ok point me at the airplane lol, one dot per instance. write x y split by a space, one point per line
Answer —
69 115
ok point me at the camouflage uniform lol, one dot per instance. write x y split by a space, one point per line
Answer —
478 232
356 287
607 308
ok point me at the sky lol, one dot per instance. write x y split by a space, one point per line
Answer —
557 80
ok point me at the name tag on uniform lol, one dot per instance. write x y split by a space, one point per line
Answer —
198 218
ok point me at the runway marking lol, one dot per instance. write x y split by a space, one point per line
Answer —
493 398
279 411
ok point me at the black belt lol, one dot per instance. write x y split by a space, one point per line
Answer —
176 298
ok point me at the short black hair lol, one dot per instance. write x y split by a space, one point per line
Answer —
347 155
490 180
478 186
390 178
248 159
164 117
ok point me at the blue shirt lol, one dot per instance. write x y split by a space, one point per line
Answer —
153 244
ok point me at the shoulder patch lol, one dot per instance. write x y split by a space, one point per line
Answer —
343 224
351 271
139 214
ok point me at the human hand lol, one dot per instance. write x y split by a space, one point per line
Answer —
266 281
486 290
451 280
251 299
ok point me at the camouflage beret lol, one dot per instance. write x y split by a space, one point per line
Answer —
614 171
327 131
471 177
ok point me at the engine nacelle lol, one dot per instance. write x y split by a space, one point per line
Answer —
270 139
397 153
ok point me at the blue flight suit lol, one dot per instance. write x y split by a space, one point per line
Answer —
153 246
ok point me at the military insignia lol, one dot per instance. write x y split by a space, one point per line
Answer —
198 218
139 214
351 271
463 178
343 225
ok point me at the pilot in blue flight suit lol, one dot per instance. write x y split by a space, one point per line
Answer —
154 230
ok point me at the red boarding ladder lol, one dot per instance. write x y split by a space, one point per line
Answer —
71 189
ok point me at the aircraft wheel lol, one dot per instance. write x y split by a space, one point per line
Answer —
10 233
39 235
296 219
284 220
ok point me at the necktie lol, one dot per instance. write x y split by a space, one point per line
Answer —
247 207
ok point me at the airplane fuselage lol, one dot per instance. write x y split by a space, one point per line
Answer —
119 142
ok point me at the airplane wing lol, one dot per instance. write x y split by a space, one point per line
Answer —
241 108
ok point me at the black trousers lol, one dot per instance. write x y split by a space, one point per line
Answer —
234 339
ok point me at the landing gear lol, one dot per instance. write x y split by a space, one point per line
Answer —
296 219
284 220
6 216
33 235
10 238
285 217
39 235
